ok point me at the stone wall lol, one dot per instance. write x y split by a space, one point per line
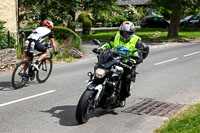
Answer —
8 13
8 59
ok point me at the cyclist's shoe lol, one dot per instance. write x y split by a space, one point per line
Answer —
36 66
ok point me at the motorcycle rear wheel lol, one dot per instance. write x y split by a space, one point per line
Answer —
84 108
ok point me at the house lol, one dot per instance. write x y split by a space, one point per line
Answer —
133 2
8 13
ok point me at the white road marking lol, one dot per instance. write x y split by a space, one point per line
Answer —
165 61
191 54
26 98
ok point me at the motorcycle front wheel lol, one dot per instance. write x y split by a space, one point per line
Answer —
85 107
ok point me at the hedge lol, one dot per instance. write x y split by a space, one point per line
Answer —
62 33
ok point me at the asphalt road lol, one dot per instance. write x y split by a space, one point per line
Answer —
170 74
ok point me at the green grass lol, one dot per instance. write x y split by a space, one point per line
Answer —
148 34
100 35
183 36
186 122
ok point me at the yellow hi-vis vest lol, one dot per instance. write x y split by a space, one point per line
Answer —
125 48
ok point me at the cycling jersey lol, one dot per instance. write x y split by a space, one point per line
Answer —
40 34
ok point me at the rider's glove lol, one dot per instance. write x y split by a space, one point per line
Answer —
131 62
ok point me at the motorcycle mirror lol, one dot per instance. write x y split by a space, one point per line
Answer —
96 42
89 73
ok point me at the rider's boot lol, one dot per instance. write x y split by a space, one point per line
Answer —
122 102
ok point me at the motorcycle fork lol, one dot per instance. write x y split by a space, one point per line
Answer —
100 90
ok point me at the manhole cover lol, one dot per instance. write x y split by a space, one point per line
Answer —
152 107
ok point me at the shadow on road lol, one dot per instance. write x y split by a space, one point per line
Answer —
67 117
66 114
5 85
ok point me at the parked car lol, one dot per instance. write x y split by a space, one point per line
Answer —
190 20
154 22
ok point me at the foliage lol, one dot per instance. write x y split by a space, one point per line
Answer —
61 33
134 14
178 9
118 20
147 33
105 14
67 52
165 13
61 12
4 37
58 11
86 21
104 35
131 13
186 122
181 6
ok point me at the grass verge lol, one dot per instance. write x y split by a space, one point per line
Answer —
149 35
185 122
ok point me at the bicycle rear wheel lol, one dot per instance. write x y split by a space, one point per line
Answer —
20 75
45 70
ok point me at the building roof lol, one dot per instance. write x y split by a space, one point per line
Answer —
132 2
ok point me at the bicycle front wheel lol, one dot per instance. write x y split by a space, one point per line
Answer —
20 75
45 69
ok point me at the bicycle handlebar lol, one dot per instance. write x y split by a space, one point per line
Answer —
23 31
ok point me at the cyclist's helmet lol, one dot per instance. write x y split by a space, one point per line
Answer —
127 26
48 23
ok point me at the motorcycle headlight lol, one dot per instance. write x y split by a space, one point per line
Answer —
100 73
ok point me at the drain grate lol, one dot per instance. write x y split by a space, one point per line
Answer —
152 107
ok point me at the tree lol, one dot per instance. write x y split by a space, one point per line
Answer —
178 8
61 12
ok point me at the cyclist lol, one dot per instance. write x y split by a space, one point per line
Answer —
127 43
37 37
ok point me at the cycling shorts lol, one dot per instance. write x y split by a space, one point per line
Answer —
38 46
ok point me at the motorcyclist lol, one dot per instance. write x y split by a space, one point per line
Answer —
127 43
38 36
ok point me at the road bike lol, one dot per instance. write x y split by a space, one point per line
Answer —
25 71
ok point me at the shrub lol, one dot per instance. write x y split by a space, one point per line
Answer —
86 21
4 37
71 46
63 33
118 20
67 52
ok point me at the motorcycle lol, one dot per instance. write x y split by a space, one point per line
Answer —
103 89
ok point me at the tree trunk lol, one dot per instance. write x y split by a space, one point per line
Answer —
174 23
